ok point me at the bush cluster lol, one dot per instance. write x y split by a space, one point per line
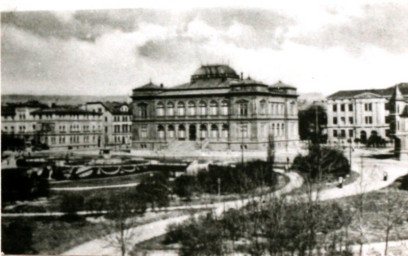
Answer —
233 179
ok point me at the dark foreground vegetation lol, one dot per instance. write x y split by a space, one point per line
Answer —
273 229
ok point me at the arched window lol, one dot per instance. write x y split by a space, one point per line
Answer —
191 108
213 108
181 108
225 130
203 131
203 108
160 109
243 108
160 130
214 131
182 131
170 109
224 107
170 130
263 107
142 110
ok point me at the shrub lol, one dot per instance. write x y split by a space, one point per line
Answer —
327 162
72 203
17 238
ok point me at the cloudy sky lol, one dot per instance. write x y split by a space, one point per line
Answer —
315 47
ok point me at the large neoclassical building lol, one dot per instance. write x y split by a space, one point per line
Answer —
216 110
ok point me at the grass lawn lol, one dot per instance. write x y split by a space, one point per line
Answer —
56 235
375 214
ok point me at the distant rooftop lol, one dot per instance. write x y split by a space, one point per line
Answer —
387 92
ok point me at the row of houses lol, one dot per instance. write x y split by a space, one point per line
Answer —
94 124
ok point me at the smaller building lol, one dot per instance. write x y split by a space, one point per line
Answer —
17 121
117 122
398 106
355 115
67 127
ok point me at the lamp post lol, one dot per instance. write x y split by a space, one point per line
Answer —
243 146
219 188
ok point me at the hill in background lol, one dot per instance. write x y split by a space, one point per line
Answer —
61 99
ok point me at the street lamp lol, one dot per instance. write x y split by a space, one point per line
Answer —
219 189
243 146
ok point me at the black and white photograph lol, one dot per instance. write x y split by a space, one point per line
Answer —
236 128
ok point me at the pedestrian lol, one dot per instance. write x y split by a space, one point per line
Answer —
340 182
385 176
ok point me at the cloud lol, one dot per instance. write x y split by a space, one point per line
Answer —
81 25
381 25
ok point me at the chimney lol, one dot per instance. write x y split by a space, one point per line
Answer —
161 85
242 76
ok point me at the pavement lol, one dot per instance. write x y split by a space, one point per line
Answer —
371 178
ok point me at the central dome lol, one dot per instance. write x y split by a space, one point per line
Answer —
214 71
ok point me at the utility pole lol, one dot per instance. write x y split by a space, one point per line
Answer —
219 189
243 146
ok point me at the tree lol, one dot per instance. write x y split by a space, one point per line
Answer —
395 213
154 190
184 186
328 162
119 228
307 123
202 237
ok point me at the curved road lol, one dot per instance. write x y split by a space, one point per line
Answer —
371 178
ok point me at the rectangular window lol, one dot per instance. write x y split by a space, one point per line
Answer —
334 120
334 133
343 133
351 120
343 120
368 119
368 106
143 131
350 107
351 134
244 131
334 107
343 107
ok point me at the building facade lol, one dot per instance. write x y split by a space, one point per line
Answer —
117 122
216 110
64 127
356 115
17 121
398 106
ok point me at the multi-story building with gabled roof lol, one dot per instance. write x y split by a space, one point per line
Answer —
355 115
117 122
218 110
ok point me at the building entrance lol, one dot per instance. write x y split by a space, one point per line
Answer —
192 132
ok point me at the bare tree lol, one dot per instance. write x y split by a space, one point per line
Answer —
119 226
392 213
